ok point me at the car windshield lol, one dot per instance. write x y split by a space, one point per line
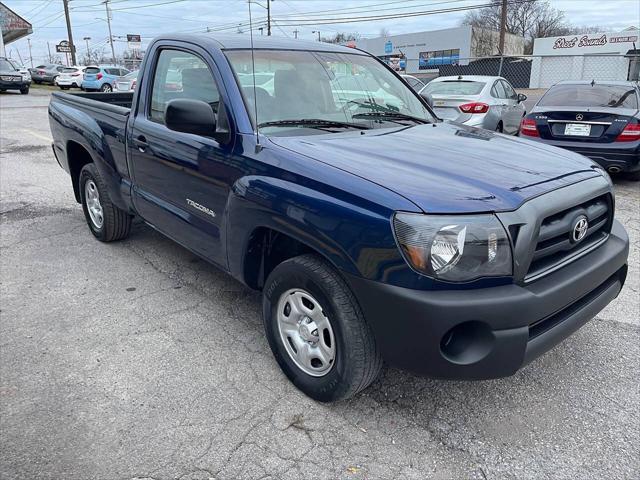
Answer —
132 75
92 70
69 70
454 87
588 95
5 64
303 92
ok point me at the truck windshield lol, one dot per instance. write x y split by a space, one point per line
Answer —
303 92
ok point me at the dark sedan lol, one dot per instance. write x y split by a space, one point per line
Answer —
600 120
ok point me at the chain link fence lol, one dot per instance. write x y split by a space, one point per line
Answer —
531 71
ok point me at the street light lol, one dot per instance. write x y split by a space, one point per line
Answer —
318 32
86 39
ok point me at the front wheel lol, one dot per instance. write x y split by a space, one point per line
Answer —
106 221
106 88
24 91
317 331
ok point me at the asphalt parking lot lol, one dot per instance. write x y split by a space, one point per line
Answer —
138 360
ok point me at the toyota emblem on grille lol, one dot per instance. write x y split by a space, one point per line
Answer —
579 116
579 229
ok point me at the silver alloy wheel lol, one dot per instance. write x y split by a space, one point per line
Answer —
306 332
94 207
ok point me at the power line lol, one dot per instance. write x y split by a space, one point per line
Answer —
373 18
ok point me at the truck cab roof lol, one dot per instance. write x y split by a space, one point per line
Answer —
236 42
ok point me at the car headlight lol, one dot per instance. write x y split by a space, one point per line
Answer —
455 248
26 76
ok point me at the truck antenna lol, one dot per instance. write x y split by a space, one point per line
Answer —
253 74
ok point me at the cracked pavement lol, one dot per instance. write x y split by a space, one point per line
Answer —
138 360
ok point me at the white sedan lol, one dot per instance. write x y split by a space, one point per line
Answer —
478 101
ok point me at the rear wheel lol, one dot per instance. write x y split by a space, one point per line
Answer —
317 331
106 88
106 221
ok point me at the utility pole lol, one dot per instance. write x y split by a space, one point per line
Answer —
113 52
49 50
503 25
318 32
66 14
295 33
269 17
86 39
30 56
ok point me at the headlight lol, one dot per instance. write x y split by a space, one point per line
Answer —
455 248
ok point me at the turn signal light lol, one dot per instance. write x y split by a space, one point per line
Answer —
528 127
474 107
631 133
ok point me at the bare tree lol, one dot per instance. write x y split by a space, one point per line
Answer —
527 19
384 32
341 37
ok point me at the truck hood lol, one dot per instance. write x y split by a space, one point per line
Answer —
447 167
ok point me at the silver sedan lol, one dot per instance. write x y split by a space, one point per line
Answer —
478 101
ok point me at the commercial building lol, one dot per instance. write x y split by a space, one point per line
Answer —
421 52
593 56
12 27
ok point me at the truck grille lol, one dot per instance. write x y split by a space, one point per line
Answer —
556 243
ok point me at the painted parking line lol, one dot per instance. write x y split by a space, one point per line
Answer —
38 135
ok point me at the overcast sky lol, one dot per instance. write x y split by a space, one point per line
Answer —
153 17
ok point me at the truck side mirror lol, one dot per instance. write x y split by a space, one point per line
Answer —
190 116
428 98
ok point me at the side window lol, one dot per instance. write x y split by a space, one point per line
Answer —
181 74
510 92
497 90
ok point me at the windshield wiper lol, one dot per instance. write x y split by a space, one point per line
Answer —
391 116
312 123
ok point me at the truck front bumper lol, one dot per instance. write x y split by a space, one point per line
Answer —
491 332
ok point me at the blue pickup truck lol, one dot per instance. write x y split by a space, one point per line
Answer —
375 231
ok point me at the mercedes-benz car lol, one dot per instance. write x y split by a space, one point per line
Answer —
600 120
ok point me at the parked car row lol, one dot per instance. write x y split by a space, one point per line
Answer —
103 78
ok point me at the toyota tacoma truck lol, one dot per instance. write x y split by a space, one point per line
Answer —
375 231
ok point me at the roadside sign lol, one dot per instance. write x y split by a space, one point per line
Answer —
64 47
133 41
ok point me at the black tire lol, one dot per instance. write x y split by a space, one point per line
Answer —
106 88
38 82
116 223
357 360
24 91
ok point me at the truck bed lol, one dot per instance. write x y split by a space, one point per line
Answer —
119 103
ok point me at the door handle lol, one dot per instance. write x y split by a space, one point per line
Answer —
141 142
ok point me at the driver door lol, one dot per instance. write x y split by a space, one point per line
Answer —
181 181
